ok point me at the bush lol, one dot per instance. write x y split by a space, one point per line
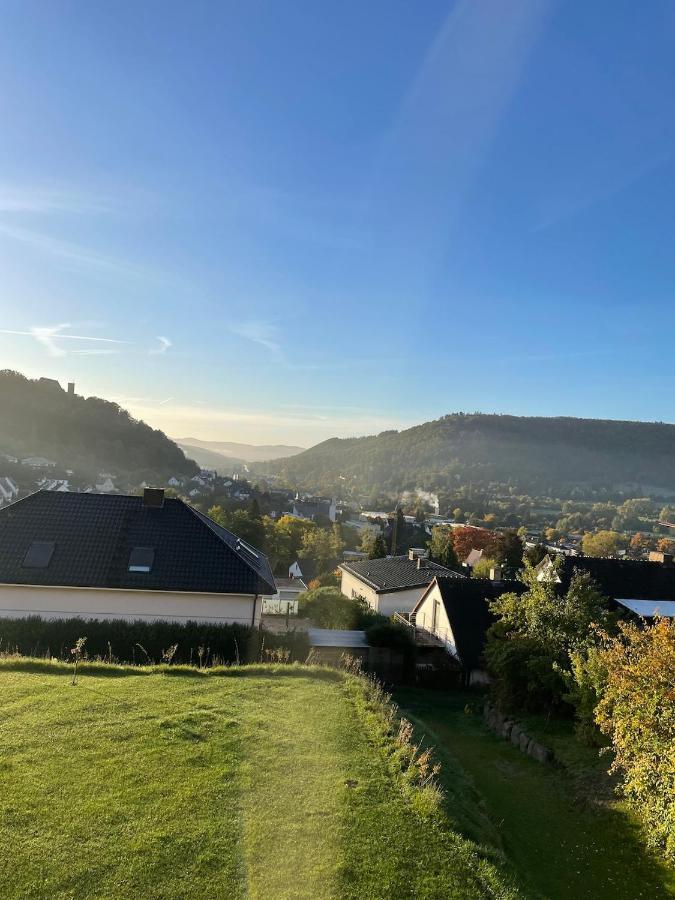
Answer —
141 642
637 712
326 607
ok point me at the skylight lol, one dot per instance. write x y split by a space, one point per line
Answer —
39 555
141 559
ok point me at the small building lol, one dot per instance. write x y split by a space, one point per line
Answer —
309 569
393 584
110 556
315 509
38 462
456 612
330 645
286 600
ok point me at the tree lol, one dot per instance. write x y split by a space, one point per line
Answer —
665 545
510 549
240 523
378 549
457 514
639 543
534 555
637 712
603 543
530 647
483 567
441 546
398 532
467 539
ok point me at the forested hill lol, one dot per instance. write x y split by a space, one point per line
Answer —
537 455
89 435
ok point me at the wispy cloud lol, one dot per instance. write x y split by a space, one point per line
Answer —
49 337
45 200
164 344
260 332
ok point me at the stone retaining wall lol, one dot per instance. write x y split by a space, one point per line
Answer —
505 727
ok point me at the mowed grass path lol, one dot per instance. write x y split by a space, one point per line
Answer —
259 783
563 845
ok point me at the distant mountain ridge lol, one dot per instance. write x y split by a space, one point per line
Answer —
551 456
245 452
87 434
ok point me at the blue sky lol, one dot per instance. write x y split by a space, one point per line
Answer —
283 221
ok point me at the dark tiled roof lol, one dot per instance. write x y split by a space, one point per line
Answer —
467 604
634 579
396 573
95 533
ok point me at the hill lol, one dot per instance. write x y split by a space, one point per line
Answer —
89 435
547 456
260 782
209 459
245 452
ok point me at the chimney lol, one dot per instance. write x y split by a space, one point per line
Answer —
421 562
153 498
660 557
496 573
411 554
71 388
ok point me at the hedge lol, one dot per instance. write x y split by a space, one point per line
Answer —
147 642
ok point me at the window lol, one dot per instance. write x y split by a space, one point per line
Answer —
38 555
141 559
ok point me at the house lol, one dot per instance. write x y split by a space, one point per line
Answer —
38 462
174 482
473 557
111 556
54 484
285 601
106 486
309 569
314 509
618 579
456 612
392 584
8 490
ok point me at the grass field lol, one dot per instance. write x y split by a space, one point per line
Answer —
562 830
260 783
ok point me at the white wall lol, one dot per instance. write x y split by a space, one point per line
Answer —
424 618
18 601
387 604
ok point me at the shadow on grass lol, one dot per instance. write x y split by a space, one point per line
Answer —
114 670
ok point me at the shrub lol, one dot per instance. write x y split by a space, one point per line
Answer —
138 641
637 712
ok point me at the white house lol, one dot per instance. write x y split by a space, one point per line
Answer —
285 601
391 584
457 613
8 490
38 462
110 556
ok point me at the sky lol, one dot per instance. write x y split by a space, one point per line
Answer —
278 221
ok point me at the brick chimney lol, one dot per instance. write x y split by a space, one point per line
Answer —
496 573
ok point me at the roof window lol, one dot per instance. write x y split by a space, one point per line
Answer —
141 559
39 555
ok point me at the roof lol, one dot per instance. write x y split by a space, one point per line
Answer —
317 507
636 578
291 584
474 557
330 637
95 533
648 609
396 573
467 605
311 568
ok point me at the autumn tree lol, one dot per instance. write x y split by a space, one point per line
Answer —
603 543
637 712
467 539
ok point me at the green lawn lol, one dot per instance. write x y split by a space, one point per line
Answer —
565 835
258 783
